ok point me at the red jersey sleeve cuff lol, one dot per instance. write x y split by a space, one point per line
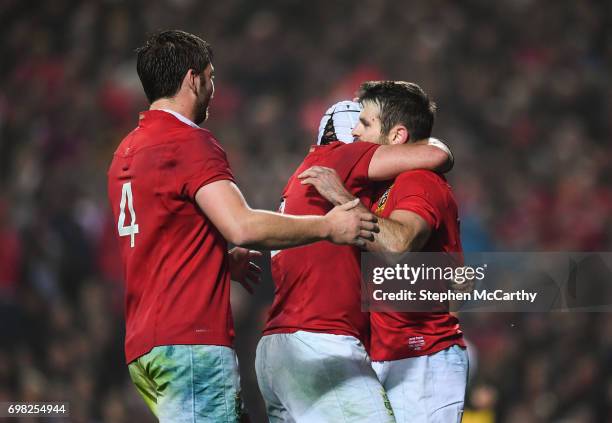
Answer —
195 186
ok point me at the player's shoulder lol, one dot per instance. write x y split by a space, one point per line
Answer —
199 139
125 142
195 133
177 129
358 146
423 176
422 182
339 153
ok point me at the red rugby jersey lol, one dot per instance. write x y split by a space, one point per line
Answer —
174 259
401 335
317 286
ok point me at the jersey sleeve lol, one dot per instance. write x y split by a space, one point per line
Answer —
201 162
353 163
418 192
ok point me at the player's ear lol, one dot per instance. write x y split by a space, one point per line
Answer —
399 135
191 81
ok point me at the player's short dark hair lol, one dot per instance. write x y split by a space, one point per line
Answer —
166 57
401 103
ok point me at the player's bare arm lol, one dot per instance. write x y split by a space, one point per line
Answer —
402 232
328 183
390 160
430 154
225 206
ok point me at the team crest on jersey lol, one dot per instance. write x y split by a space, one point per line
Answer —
380 206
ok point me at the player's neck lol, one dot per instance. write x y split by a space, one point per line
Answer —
176 105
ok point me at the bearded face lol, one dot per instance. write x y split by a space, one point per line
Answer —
205 94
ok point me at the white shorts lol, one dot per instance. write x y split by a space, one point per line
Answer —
318 377
426 389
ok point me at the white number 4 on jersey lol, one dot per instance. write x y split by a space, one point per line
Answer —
132 229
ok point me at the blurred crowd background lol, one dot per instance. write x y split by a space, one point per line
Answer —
523 89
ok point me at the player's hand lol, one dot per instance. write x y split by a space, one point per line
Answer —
242 269
327 182
350 225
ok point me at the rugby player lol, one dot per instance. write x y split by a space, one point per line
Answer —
311 363
420 358
173 196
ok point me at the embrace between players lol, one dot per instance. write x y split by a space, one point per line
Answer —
176 205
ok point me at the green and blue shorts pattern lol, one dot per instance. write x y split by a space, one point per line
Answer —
190 383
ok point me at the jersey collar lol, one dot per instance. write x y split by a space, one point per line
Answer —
180 117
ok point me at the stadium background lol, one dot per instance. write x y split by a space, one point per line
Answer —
523 89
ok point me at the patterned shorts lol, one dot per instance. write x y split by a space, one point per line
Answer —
190 383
